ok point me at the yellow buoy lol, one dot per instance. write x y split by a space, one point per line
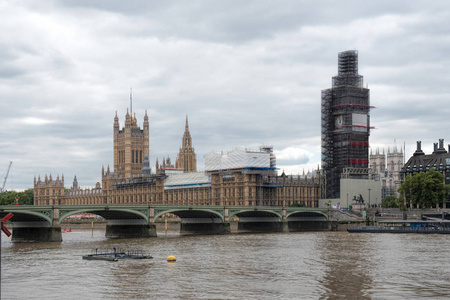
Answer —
171 258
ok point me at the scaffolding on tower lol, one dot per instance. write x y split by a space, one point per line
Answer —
345 128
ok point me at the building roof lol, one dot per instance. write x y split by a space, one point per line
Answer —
187 180
420 162
237 159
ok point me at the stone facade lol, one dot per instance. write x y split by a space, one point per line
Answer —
186 159
388 167
131 144
131 181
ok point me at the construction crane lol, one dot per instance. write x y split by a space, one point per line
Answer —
2 190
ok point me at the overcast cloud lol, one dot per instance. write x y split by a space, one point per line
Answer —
246 72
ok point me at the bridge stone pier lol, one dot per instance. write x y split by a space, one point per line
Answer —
38 225
123 229
207 220
125 222
260 221
281 219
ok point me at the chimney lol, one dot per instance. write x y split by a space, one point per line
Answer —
435 147
419 149
441 146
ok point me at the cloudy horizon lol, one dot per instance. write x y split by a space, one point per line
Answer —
246 74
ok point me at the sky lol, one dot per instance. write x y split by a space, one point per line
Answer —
246 73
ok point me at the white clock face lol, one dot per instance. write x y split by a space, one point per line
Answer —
339 122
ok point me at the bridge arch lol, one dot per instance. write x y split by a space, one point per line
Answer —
306 216
189 213
253 213
108 213
22 215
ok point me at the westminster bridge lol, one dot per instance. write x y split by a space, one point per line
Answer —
41 223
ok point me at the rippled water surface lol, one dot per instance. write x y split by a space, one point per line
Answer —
312 265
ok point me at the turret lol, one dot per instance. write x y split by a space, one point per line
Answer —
146 170
116 123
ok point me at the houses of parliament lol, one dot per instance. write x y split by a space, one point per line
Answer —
239 177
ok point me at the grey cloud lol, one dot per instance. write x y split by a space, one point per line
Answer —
238 21
246 73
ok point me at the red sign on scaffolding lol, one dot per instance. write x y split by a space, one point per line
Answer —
5 219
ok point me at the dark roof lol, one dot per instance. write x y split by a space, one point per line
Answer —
419 162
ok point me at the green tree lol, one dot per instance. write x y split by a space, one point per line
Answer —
389 202
426 189
23 198
405 193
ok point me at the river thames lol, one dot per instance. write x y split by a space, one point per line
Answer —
309 265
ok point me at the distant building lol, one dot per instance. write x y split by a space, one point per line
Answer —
249 177
345 126
238 177
388 167
421 162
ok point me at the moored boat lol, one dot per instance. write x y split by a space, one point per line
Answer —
404 226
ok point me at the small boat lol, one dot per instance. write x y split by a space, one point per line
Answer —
115 254
406 226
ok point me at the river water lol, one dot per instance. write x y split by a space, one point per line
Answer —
309 265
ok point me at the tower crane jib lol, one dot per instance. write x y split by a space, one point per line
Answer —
6 177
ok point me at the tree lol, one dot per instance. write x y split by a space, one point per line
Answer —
23 198
405 193
426 189
389 202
